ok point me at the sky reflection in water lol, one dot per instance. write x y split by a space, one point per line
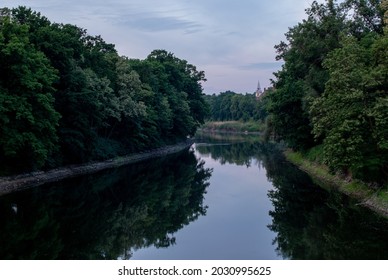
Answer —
235 226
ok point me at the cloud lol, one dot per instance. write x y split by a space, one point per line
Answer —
158 24
232 41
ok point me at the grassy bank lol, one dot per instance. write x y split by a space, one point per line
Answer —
377 200
234 126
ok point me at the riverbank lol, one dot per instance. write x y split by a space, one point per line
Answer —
20 182
376 200
249 127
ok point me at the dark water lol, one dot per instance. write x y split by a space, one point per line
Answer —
228 197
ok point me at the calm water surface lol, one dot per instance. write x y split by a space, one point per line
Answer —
228 197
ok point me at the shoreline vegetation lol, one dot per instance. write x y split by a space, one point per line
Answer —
68 97
374 199
330 99
249 127
9 184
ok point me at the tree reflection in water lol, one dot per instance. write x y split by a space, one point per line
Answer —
112 214
310 222
106 215
314 223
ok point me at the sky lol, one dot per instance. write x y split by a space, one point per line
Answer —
232 41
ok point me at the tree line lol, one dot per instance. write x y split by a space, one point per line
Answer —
229 106
69 97
331 94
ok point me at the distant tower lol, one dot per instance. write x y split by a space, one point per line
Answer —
258 90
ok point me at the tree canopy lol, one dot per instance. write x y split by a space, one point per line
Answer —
69 97
332 90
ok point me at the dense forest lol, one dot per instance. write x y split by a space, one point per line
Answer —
68 97
331 97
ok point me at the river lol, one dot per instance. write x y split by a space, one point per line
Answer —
227 197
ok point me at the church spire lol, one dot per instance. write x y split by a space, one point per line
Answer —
259 92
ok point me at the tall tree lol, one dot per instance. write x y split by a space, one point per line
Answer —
352 115
183 77
28 120
303 76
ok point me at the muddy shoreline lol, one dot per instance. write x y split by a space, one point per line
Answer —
15 183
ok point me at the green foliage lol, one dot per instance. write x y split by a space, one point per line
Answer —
288 117
315 154
179 106
303 76
333 88
351 114
26 102
367 16
228 106
234 126
68 97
